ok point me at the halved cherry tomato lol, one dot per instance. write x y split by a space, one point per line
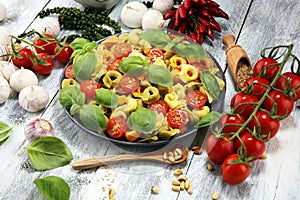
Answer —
63 53
114 64
69 72
177 118
45 44
256 86
196 99
290 83
116 127
89 87
266 68
244 104
159 106
43 68
154 54
231 123
25 58
121 50
129 83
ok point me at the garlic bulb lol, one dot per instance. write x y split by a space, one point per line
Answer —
4 50
7 69
22 78
3 12
37 128
132 14
4 90
33 98
163 6
48 25
152 19
4 36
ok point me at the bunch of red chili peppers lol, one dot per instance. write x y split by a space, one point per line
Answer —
195 18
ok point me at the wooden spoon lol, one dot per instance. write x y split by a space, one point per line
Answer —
152 156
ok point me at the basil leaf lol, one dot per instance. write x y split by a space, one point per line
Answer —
107 98
208 119
70 95
84 66
5 131
160 76
155 37
48 153
133 65
92 117
53 188
90 46
190 50
210 83
142 120
78 43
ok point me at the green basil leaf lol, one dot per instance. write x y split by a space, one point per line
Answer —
142 120
190 50
176 40
84 66
5 131
160 76
92 117
132 65
208 119
155 37
90 46
48 153
210 83
107 98
78 43
70 95
53 188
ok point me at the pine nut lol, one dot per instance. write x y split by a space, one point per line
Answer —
111 193
190 190
175 182
165 156
176 188
171 159
181 178
179 151
178 172
215 196
187 184
197 150
182 184
263 156
210 166
154 190
178 157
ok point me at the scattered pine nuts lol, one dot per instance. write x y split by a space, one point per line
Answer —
263 156
178 172
190 190
197 150
176 188
182 184
154 189
210 166
215 196
175 182
187 184
181 178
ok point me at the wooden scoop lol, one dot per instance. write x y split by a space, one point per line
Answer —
158 156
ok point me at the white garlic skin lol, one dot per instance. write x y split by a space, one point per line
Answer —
4 90
4 50
22 78
33 98
4 36
152 19
7 69
37 128
48 25
132 14
3 12
163 6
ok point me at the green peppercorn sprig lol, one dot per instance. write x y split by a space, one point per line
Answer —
88 21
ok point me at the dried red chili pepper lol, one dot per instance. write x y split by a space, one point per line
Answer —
201 28
177 19
182 27
200 37
193 36
182 11
187 4
209 32
214 25
217 12
212 4
170 14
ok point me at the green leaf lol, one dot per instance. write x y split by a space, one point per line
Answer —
142 120
159 75
210 83
53 188
70 95
190 50
48 153
78 43
92 117
5 131
84 66
133 65
155 37
208 119
107 98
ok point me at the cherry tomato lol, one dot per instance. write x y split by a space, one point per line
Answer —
177 118
43 68
218 149
290 82
45 44
116 127
129 83
231 123
154 54
283 105
264 125
25 59
63 53
254 147
121 50
234 173
266 68
89 87
196 99
244 104
256 86
159 106
114 64
69 72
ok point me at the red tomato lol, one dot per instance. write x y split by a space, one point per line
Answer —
289 82
116 127
121 50
282 105
218 149
196 99
254 147
89 87
63 53
177 118
43 68
129 83
234 173
114 64
159 106
25 58
244 104
256 86
69 72
231 123
266 68
45 44
264 125
154 54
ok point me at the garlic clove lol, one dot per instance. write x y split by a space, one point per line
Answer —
3 12
33 98
7 69
48 25
4 36
163 6
37 128
4 90
152 19
132 14
22 78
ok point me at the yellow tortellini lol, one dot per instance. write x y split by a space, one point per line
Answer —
150 95
176 62
111 78
188 73
172 100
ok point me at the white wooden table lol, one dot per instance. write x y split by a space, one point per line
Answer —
257 24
